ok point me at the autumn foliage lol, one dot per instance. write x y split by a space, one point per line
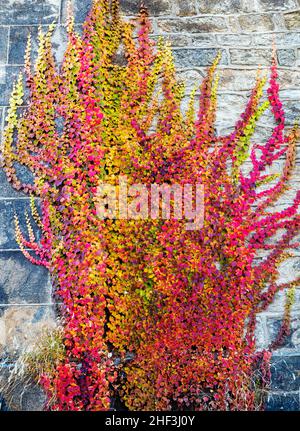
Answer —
155 316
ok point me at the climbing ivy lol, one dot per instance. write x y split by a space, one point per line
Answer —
154 315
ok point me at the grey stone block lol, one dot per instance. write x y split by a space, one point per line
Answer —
285 373
23 174
286 57
260 333
20 12
216 6
184 8
253 57
292 20
292 341
190 78
128 7
267 5
278 21
233 24
155 7
235 80
17 43
193 25
3 297
292 94
203 40
6 189
7 210
80 10
283 401
21 281
255 23
292 112
176 39
287 39
234 39
8 75
278 4
3 44
59 42
197 57
237 103
277 305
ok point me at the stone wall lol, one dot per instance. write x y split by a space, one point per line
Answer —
243 30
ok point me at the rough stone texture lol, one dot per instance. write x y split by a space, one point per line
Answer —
232 81
81 9
292 20
203 39
217 7
244 31
292 112
193 25
267 5
20 325
19 12
8 207
251 57
286 57
289 39
186 8
3 44
8 75
156 7
17 43
286 401
274 323
237 104
255 23
26 397
6 190
197 57
234 39
286 373
19 283
278 21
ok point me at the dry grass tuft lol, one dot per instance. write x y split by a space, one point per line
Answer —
42 358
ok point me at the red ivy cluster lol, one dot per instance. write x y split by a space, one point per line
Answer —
157 316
